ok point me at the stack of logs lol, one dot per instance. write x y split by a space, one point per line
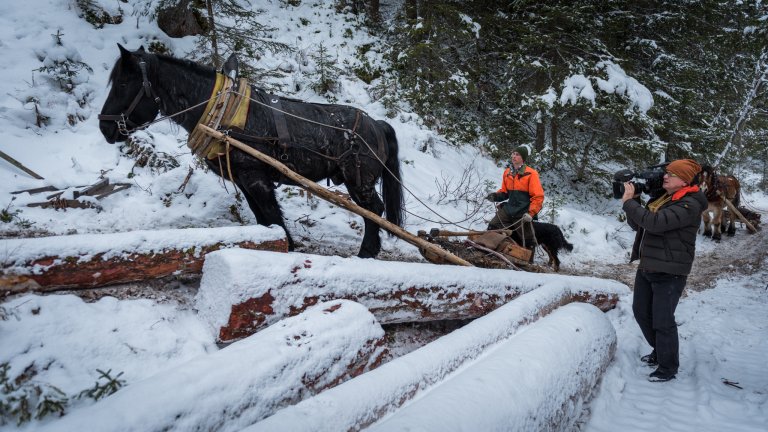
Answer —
281 315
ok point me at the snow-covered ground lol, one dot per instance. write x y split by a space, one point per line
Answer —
62 341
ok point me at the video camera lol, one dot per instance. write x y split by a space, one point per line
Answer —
649 181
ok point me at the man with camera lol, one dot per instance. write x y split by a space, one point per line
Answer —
665 243
521 188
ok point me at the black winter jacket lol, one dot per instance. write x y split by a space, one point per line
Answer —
666 240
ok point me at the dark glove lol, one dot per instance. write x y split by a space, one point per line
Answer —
491 197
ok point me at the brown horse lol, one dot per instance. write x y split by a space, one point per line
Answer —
718 188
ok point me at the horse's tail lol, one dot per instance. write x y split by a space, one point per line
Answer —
392 188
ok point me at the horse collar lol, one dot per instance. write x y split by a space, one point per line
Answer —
227 108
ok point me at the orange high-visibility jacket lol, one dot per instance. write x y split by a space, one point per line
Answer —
524 191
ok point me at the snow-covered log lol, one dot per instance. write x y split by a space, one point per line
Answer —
564 358
246 381
242 291
91 260
538 380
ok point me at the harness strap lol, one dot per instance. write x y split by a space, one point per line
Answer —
284 137
122 119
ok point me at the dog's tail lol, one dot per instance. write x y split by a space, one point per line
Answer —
567 246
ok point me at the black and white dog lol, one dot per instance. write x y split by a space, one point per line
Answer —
551 239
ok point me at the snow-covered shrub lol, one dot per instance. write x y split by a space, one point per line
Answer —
99 14
60 94
140 146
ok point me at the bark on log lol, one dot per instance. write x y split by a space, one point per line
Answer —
246 381
244 291
353 406
92 260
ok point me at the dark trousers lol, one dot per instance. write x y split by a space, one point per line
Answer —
654 303
522 234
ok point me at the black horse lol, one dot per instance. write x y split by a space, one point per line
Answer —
321 145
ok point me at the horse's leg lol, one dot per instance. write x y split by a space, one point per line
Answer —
707 218
365 196
731 222
717 220
259 191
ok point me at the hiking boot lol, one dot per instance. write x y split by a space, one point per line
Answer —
660 375
650 359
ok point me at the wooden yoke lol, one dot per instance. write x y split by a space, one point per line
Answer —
335 199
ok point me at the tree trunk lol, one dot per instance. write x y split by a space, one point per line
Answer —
245 382
411 10
260 293
553 131
398 381
584 158
374 12
541 132
552 367
214 42
92 260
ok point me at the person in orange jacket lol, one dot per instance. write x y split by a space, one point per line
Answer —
524 196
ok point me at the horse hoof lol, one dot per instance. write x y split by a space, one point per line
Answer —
707 234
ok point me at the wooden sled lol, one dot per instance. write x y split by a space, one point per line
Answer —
486 249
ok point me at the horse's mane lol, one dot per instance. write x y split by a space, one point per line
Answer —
151 58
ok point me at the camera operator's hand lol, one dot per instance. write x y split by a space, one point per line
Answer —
629 192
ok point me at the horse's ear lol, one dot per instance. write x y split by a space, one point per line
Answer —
141 49
231 66
124 53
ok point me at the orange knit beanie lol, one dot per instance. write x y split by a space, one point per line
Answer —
686 169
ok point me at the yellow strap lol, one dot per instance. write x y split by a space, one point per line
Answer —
220 79
241 113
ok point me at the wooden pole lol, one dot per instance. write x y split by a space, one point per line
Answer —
335 199
19 165
445 233
735 211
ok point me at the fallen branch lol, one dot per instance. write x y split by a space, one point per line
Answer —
20 166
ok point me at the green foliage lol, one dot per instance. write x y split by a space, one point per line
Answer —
480 71
236 29
64 72
140 147
21 398
104 386
327 74
96 15
7 216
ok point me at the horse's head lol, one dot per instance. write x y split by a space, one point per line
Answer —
131 102
706 177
